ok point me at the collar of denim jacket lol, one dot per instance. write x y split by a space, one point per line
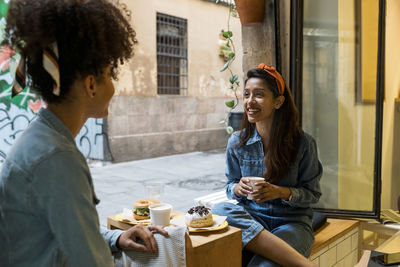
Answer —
255 138
54 122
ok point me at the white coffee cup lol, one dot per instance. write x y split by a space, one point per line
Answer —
254 180
160 214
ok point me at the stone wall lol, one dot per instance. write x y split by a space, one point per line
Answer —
259 41
145 127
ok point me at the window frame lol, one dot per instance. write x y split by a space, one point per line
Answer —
174 82
296 83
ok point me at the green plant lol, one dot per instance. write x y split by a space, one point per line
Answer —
233 78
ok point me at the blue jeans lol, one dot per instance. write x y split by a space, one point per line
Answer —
298 235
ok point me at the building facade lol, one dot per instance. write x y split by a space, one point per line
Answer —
170 96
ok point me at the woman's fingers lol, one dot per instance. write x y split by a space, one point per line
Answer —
244 183
240 192
158 229
243 188
136 246
262 197
153 243
244 191
245 180
266 192
139 237
148 239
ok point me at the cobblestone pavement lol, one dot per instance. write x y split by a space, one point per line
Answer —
185 177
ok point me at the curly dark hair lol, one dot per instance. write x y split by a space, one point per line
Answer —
285 131
91 35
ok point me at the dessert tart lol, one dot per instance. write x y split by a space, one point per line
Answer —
199 216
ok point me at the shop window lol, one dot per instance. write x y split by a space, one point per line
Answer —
340 99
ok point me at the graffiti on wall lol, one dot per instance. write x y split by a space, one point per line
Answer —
16 113
91 140
12 123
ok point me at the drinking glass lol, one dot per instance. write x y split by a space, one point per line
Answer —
154 190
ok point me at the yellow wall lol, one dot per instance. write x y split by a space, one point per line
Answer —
369 37
205 22
356 122
391 134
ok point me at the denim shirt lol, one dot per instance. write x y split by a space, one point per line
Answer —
47 202
302 178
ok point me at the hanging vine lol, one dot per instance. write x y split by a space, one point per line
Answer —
233 78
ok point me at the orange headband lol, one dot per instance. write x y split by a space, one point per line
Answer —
278 78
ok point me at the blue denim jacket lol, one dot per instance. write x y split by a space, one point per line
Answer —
303 177
47 202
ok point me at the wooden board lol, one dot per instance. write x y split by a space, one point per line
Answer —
333 230
392 245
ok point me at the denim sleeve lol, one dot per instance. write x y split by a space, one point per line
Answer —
66 199
308 189
232 169
111 236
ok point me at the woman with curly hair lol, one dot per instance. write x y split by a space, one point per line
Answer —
70 51
272 145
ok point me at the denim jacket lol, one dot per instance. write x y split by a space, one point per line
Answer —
302 178
47 202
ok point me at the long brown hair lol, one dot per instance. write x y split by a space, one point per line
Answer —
285 131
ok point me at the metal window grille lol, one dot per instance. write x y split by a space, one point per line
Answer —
172 65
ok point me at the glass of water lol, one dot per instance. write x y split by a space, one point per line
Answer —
154 190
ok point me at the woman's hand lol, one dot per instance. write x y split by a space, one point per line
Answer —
243 188
128 240
270 191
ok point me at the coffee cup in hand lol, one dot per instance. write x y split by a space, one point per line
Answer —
253 180
160 214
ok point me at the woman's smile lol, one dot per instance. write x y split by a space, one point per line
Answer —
252 111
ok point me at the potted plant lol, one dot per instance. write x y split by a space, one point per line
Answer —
251 12
227 50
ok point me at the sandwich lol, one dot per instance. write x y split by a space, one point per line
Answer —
141 209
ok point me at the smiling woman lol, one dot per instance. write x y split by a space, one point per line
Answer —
272 109
276 220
